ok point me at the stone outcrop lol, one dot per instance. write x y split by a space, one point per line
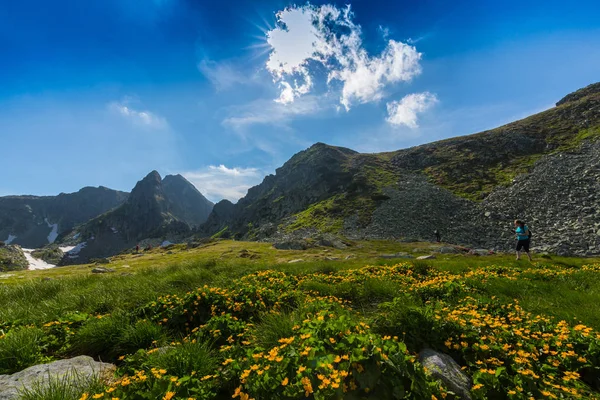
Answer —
12 258
77 369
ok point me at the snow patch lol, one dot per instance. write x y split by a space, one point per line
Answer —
76 236
54 233
165 243
66 249
74 252
36 263
10 239
113 229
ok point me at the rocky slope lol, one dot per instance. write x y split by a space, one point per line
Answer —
12 258
544 168
34 221
156 208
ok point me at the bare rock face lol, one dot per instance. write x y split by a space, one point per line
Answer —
79 369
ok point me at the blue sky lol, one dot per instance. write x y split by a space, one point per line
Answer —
102 92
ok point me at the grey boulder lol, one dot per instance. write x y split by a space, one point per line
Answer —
79 368
443 368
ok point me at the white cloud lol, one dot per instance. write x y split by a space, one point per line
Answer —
267 112
310 35
385 31
222 75
221 182
404 112
140 118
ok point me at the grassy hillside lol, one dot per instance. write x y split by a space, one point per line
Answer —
239 320
472 166
327 188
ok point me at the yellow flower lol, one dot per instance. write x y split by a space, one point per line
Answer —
98 396
284 382
307 386
169 395
237 392
84 396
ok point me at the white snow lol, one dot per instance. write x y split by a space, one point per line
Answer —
75 236
113 229
10 239
54 233
74 252
35 263
165 243
66 249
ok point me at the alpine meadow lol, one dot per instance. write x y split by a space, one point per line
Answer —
277 201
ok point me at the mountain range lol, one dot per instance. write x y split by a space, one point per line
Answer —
544 169
168 209
35 221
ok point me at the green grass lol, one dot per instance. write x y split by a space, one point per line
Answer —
142 315
185 358
68 387
325 216
451 172
20 348
273 326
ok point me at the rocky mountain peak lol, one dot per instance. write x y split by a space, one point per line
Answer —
149 188
186 202
594 88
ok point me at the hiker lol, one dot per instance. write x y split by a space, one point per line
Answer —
137 248
438 237
523 238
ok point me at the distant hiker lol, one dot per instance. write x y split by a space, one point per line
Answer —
137 248
438 237
523 238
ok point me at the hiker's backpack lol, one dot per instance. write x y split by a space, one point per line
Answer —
530 233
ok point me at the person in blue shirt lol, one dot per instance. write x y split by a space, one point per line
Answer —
522 232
